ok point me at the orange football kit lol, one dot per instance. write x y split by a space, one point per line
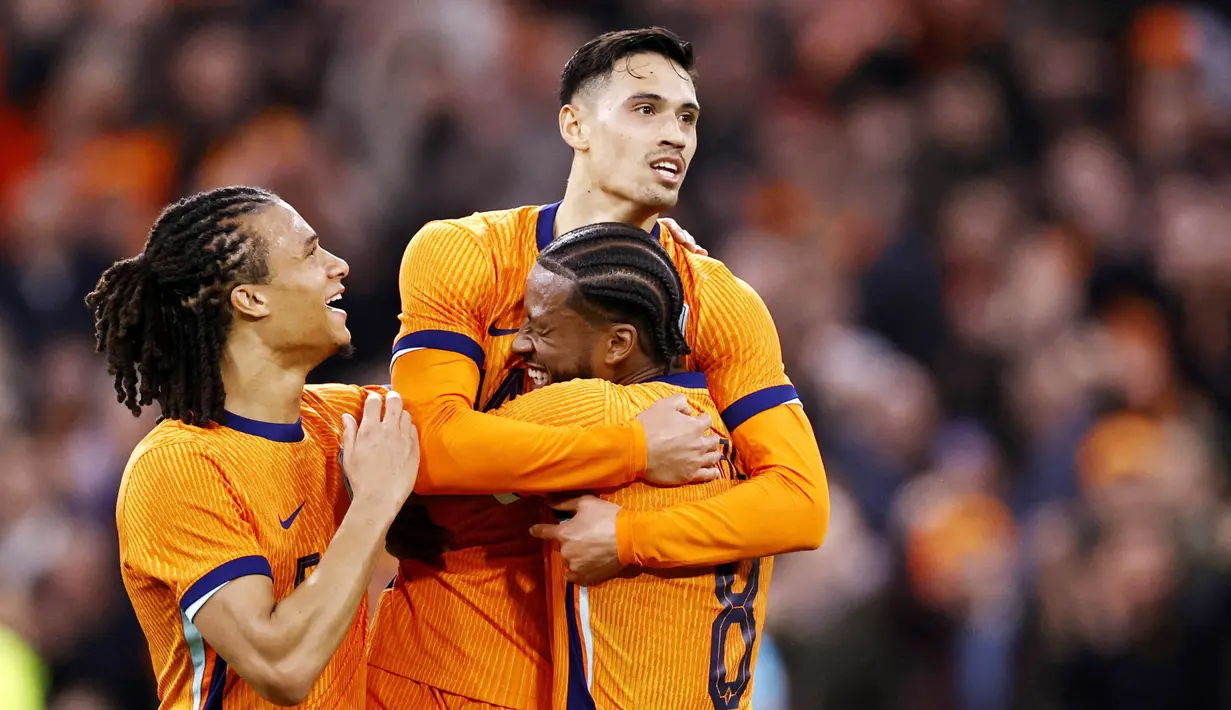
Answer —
473 628
199 507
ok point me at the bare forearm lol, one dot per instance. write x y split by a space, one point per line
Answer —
313 620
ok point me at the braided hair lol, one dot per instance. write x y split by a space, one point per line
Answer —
620 273
162 317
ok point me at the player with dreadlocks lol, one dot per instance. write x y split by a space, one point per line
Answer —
603 339
229 509
629 112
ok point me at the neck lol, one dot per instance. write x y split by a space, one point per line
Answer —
585 202
640 371
261 385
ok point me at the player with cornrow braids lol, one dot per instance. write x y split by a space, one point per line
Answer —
622 274
245 582
602 340
629 112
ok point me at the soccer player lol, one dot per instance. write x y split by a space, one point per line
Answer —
605 303
629 112
245 557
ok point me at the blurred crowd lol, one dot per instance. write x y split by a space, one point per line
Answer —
995 236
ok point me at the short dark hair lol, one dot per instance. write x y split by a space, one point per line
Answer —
162 317
621 274
598 57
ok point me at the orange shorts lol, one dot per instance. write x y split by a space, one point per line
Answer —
390 691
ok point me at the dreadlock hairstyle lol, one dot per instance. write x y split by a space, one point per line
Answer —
596 58
621 274
163 316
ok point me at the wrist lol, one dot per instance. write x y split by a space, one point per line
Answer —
639 454
625 536
374 508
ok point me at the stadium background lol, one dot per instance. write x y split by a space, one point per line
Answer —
995 236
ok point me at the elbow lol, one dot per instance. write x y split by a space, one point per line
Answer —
284 684
277 672
813 519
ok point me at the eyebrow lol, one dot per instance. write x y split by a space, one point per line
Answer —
647 96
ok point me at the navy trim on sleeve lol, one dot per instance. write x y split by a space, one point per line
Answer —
223 573
749 406
440 340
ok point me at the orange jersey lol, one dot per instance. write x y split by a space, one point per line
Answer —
462 284
199 507
669 639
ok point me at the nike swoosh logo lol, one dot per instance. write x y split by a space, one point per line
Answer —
286 524
495 332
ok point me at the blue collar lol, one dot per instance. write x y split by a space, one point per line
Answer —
545 228
687 380
282 433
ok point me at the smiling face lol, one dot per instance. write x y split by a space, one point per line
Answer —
636 127
291 312
558 343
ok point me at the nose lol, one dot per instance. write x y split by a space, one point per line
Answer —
340 269
522 344
673 136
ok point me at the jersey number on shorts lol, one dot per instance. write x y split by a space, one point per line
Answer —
737 613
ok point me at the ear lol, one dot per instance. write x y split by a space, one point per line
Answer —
247 300
571 129
622 342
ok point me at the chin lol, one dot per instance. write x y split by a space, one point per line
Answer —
658 198
346 350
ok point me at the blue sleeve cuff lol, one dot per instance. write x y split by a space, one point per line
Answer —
749 406
439 340
220 575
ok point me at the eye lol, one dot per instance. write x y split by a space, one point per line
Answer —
688 118
645 110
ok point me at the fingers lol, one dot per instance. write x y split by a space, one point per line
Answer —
571 505
706 422
680 403
709 473
682 236
349 428
544 531
371 409
393 409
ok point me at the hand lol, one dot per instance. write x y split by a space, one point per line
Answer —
587 540
414 536
679 450
382 453
683 238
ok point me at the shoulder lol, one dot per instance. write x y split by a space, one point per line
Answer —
706 277
172 458
572 402
690 384
333 400
478 228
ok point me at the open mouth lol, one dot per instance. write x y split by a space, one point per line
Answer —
669 169
539 377
334 299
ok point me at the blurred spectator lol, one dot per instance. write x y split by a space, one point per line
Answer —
994 236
